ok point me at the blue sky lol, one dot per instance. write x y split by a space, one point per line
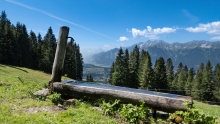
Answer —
98 25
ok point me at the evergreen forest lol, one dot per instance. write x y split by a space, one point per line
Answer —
18 47
135 70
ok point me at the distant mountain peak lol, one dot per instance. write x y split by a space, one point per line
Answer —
190 53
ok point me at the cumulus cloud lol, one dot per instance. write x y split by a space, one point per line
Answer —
151 33
216 38
123 38
210 28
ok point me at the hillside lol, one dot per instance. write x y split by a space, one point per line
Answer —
19 107
191 53
98 73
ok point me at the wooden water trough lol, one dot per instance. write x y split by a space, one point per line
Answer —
156 100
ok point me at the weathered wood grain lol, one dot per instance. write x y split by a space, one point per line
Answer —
166 104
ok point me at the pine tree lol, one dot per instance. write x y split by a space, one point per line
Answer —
181 83
112 70
34 50
160 77
49 48
6 40
126 70
40 52
188 84
79 63
134 67
145 71
197 86
207 82
118 74
69 62
216 82
169 72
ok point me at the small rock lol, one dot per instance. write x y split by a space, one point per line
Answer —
43 92
70 102
61 106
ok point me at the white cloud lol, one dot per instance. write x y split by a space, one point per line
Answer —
210 28
123 38
151 33
216 38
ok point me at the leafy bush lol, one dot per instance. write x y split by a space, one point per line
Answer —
191 116
133 113
110 108
56 98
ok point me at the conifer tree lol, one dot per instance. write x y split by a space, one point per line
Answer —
146 74
126 70
134 67
160 77
111 73
118 74
207 82
69 62
169 72
49 47
34 50
216 82
181 83
188 84
197 86
79 63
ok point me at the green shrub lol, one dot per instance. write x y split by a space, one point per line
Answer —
133 113
191 116
56 98
110 108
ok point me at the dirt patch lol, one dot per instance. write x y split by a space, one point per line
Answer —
49 109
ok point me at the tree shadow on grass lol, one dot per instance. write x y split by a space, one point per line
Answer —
18 68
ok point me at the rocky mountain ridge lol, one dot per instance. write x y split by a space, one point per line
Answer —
190 53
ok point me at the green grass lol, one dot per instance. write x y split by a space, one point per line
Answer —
15 100
212 110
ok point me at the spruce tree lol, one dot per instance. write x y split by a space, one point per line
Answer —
216 82
207 82
181 83
118 74
160 77
111 73
126 70
34 50
197 85
49 48
146 74
134 67
69 62
188 84
169 72
79 64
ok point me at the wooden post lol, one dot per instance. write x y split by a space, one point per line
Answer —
59 57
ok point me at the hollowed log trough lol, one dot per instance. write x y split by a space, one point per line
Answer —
156 100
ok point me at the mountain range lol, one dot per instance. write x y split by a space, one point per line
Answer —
191 53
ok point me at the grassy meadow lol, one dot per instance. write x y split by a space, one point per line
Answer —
18 106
